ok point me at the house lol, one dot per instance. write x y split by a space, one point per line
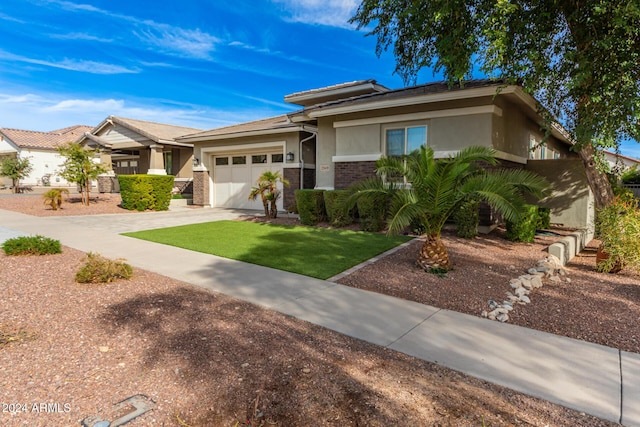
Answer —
618 162
132 146
340 131
41 149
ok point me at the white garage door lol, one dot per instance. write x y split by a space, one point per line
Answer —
235 174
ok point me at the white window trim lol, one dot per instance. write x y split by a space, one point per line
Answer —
406 135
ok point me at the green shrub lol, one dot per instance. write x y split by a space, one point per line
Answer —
177 196
334 204
146 192
525 229
467 218
544 218
31 245
310 205
373 212
98 269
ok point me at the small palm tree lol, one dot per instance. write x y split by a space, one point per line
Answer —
267 189
431 190
53 197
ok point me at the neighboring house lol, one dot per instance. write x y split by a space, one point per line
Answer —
141 147
340 132
618 162
41 149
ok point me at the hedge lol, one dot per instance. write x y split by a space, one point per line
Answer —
467 218
373 212
334 206
146 192
525 229
544 218
310 205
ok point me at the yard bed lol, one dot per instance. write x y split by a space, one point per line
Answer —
314 252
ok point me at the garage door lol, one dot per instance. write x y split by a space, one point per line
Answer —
235 174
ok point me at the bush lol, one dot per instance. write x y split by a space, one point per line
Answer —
98 269
373 212
525 229
146 192
467 218
334 204
544 218
31 245
310 205
618 228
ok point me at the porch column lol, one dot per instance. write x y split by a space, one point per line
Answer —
105 159
201 186
156 160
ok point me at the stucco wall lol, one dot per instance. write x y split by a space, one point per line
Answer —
572 203
456 133
326 150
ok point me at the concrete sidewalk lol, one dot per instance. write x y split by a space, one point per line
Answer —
594 379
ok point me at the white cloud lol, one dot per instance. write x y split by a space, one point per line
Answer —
178 41
169 39
92 67
80 36
83 104
333 13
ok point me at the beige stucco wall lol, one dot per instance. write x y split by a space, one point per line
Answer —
356 140
456 133
572 203
326 149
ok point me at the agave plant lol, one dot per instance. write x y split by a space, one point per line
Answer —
425 191
267 188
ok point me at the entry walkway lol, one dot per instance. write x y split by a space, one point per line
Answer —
591 378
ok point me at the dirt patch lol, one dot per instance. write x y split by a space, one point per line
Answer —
33 204
208 359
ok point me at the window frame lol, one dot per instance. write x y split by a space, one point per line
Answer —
405 128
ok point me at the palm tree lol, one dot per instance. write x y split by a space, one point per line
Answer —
423 189
267 189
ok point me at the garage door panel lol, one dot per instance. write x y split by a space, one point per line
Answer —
232 183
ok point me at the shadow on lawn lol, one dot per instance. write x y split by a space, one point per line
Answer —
226 353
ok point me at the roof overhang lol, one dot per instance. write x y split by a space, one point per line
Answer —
234 135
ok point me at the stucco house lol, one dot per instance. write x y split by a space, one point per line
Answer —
141 147
41 149
340 131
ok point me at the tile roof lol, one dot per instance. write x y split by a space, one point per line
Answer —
154 131
271 123
44 140
425 89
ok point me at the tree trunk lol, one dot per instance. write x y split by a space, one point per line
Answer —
16 185
274 209
434 255
265 205
598 182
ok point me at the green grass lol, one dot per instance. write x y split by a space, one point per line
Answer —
314 252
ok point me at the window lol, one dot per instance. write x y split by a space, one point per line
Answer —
239 160
133 163
277 158
260 158
405 140
168 162
535 149
222 161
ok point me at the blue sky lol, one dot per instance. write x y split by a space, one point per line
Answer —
198 63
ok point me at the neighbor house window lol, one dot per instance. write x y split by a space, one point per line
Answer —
403 141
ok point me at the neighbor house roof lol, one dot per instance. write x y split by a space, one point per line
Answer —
271 125
43 140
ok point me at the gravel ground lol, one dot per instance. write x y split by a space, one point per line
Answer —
210 360
33 204
207 359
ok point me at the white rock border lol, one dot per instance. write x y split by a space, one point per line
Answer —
548 269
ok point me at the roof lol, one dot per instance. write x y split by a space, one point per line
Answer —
44 140
622 156
339 91
277 124
155 131
413 91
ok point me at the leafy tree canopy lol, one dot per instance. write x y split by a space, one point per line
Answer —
16 168
79 167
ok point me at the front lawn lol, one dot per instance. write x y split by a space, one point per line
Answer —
314 252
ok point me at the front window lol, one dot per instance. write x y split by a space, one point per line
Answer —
403 141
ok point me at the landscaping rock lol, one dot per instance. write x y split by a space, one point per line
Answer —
525 299
502 317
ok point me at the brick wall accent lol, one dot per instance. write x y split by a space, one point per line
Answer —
201 188
351 172
293 176
309 178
